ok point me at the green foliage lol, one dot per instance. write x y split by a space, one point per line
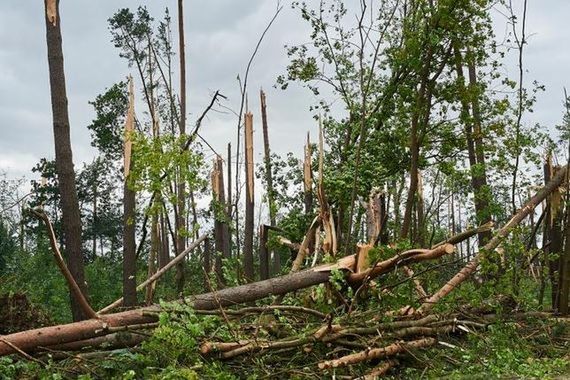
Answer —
107 129
503 352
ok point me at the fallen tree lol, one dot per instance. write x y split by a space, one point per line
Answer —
27 341
103 325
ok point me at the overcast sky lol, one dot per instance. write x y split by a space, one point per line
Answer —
220 36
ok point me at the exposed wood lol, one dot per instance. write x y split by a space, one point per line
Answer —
329 245
378 353
413 255
308 177
221 219
362 262
53 335
249 200
304 248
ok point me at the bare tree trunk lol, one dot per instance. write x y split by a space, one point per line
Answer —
221 228
263 253
249 200
308 178
181 186
475 148
564 282
269 181
64 157
229 199
129 203
164 257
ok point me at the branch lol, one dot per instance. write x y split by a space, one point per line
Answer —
73 287
158 274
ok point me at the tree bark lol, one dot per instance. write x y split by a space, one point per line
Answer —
129 203
221 227
71 217
181 186
249 200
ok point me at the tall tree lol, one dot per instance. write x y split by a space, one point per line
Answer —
63 154
181 186
129 202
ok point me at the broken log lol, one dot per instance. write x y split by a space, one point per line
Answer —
378 353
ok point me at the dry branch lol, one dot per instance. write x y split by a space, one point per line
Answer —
158 274
377 353
73 287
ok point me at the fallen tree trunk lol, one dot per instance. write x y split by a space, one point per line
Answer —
92 328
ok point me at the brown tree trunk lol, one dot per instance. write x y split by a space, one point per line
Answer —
269 180
164 257
221 227
71 217
564 282
129 244
249 200
263 253
181 186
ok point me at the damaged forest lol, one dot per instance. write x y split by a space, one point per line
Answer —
423 232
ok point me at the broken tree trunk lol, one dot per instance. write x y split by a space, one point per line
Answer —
221 227
249 200
269 181
308 178
129 203
471 267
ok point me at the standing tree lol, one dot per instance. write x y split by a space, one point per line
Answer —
63 155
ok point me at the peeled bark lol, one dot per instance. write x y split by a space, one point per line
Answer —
378 353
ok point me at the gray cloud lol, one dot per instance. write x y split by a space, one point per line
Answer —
220 37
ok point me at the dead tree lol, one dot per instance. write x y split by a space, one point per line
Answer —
221 227
249 200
